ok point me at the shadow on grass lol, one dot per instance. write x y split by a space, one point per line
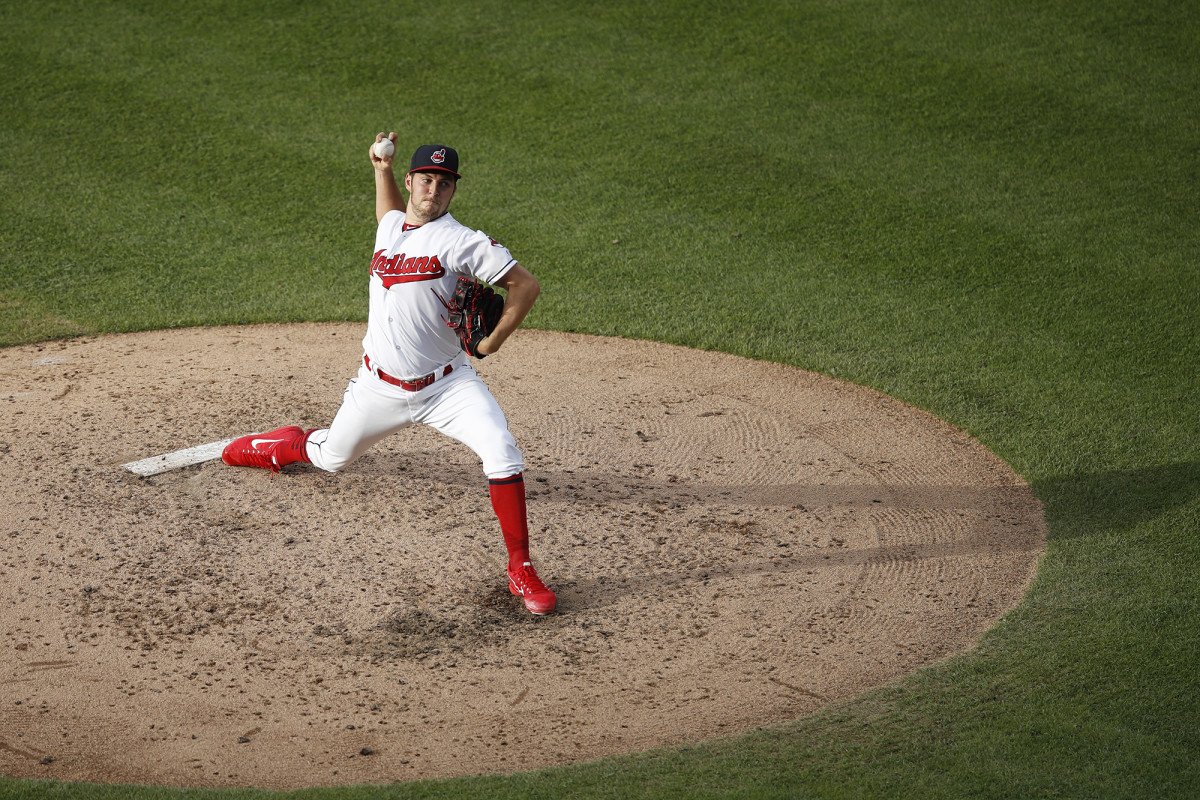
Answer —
1091 503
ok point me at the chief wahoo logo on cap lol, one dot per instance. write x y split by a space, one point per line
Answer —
439 156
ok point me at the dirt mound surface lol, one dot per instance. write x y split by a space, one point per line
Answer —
734 543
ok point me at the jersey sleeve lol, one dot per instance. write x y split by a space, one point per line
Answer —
485 258
385 234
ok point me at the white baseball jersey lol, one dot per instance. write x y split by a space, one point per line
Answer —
413 275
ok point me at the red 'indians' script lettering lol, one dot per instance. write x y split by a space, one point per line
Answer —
399 269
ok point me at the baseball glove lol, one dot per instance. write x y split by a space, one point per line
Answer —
475 309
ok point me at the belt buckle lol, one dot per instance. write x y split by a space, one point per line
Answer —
419 383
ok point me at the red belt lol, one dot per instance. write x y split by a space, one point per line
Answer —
409 386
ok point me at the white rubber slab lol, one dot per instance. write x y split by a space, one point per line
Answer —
180 458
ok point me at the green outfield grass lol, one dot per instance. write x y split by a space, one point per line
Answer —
990 210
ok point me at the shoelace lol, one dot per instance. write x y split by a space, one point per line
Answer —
528 581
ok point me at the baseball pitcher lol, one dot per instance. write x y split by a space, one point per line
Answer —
430 306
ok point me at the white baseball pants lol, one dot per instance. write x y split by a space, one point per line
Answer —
460 405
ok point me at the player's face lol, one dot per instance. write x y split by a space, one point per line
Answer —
429 194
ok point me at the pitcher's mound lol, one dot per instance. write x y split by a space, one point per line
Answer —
734 543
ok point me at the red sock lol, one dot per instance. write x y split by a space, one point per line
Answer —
293 450
508 501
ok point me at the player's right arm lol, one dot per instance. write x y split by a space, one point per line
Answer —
387 194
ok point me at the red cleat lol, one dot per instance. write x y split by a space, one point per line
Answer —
259 449
526 583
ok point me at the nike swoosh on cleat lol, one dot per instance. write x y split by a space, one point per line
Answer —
254 443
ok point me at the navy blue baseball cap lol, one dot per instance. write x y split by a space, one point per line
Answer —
435 158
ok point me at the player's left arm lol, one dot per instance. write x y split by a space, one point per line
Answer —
522 292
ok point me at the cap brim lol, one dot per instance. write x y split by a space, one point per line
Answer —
433 169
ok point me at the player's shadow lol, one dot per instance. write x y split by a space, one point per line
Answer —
1076 505
1009 521
1091 503
598 489
603 590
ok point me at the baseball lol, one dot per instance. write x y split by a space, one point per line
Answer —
384 148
